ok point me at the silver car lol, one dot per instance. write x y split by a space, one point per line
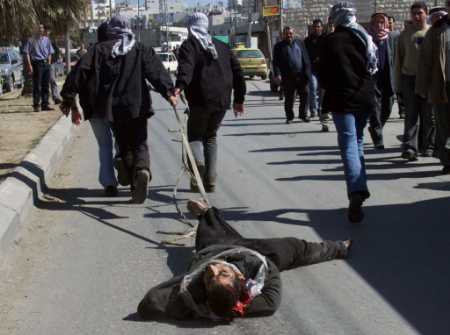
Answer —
11 68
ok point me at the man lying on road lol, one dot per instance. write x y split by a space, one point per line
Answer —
232 276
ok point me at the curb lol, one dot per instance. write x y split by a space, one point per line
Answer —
20 191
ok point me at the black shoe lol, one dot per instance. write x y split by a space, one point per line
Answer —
355 213
313 115
47 108
446 169
141 180
210 188
289 121
401 115
304 119
410 155
111 191
122 173
428 153
326 117
36 109
379 146
325 128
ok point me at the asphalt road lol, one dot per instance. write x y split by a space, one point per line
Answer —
83 262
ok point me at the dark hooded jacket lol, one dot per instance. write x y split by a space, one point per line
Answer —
118 85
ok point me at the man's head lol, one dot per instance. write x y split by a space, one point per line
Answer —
223 288
40 30
437 13
419 12
391 23
379 22
288 34
317 27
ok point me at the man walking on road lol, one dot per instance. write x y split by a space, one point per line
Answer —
207 72
232 276
292 68
53 84
38 52
110 79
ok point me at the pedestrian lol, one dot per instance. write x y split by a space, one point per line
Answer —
54 90
312 44
437 13
384 78
433 83
111 81
347 64
419 129
232 276
292 68
207 72
38 52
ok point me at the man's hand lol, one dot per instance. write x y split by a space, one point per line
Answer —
30 69
173 100
278 79
238 109
65 108
76 115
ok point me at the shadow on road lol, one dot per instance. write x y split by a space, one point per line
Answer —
198 324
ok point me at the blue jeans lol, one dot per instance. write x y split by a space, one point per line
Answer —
350 131
104 136
314 95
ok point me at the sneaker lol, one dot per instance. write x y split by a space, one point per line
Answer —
141 180
409 155
47 108
111 191
304 119
355 213
122 174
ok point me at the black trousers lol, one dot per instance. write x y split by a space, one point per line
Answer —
286 253
131 137
41 83
291 86
383 109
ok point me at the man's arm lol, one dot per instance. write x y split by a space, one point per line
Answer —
26 51
276 60
156 74
424 68
51 51
399 56
186 64
269 300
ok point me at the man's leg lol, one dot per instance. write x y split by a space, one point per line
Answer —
37 85
45 80
411 130
303 93
289 96
314 96
443 125
141 174
427 132
54 86
376 127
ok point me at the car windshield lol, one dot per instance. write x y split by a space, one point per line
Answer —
4 59
249 54
164 57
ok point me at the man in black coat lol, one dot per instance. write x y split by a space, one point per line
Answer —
232 276
292 67
207 72
111 82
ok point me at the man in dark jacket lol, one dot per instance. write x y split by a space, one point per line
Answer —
110 79
232 276
207 73
292 68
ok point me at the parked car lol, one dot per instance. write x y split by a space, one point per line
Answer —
169 61
11 68
253 62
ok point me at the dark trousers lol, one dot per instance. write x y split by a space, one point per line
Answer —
420 128
41 83
383 108
286 253
131 137
291 86
202 127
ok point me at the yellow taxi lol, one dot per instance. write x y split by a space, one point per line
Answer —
253 62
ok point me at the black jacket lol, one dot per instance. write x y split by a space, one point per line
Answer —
107 84
281 60
167 300
313 45
343 74
208 82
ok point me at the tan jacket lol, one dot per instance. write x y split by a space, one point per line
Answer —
431 76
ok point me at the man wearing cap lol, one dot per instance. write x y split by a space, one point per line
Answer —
207 72
433 82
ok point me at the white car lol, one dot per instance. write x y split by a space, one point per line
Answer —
169 61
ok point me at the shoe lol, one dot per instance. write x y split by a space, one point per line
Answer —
197 207
446 169
427 153
210 188
345 250
122 174
325 128
36 109
326 117
289 121
409 155
313 115
379 146
304 119
111 191
47 108
280 98
141 180
401 115
57 101
355 213
399 137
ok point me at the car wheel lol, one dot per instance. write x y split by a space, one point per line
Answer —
9 85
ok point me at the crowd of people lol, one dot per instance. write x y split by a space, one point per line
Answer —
341 71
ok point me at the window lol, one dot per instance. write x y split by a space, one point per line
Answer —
164 57
249 54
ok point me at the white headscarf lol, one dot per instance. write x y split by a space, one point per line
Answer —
119 29
343 14
198 27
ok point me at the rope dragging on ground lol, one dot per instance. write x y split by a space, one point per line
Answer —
187 159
